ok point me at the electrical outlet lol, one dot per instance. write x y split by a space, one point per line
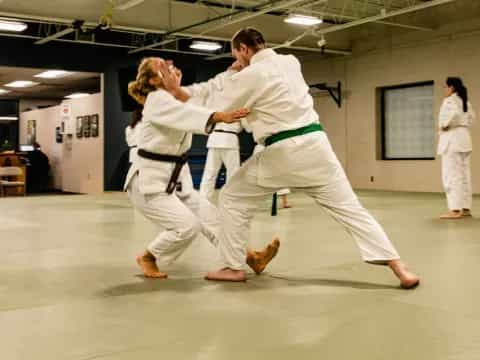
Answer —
372 179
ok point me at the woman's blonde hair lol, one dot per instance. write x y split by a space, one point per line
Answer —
141 87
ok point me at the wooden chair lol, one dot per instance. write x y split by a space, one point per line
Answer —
8 179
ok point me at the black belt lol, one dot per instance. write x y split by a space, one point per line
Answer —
178 160
226 131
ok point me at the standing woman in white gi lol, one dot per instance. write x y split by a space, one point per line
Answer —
298 155
223 144
455 146
159 182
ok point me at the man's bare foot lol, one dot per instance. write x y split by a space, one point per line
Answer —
452 215
408 280
466 213
227 274
149 266
258 260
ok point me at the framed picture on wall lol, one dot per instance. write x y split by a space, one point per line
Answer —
31 131
86 126
79 127
94 130
58 135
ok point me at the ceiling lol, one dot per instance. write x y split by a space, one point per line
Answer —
48 88
171 25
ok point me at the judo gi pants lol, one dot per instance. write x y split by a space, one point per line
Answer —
180 217
242 195
215 158
457 180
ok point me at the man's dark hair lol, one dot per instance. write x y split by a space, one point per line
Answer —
250 37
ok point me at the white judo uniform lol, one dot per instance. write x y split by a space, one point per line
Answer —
455 147
257 149
274 89
223 143
166 128
131 139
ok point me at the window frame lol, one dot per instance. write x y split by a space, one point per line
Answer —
383 117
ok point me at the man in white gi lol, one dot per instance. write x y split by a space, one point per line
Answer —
298 155
455 147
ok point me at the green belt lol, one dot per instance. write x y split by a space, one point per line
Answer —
291 133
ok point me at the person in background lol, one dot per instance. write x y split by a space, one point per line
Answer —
455 147
131 134
38 171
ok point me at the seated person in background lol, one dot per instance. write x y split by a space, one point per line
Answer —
37 173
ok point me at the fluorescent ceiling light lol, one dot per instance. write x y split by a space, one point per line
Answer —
3 91
205 45
8 118
15 26
76 95
303 20
21 84
53 74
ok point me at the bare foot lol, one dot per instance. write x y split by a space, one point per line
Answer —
149 266
227 274
258 260
452 215
466 213
408 280
288 206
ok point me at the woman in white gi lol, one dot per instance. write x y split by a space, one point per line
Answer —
223 144
298 155
455 146
159 183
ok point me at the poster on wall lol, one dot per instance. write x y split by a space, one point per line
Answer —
86 126
79 127
67 119
94 125
31 131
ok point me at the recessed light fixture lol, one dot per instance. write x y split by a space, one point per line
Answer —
53 74
205 45
303 20
8 118
21 84
4 91
12 25
76 95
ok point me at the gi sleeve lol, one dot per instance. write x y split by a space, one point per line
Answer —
162 109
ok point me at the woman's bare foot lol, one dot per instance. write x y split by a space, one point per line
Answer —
227 274
408 280
452 215
149 266
258 260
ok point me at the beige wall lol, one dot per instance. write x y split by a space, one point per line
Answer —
77 168
353 128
